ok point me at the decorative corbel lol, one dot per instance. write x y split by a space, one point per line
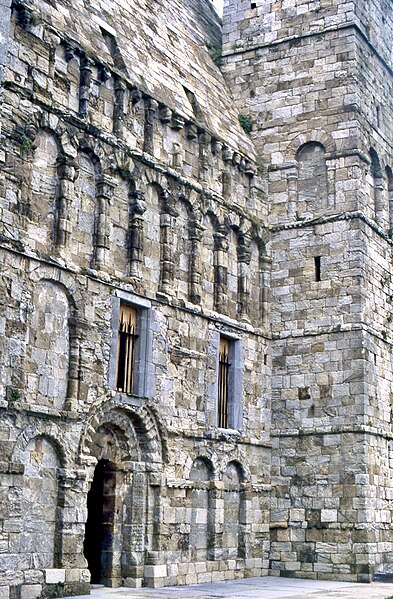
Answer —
165 114
177 122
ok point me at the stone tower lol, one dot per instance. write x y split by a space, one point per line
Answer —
315 80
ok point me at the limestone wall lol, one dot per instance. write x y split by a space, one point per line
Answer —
316 83
263 22
119 184
128 178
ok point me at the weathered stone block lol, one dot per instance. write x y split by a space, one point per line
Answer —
158 571
54 576
30 591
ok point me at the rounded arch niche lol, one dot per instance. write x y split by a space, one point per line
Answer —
135 428
49 345
312 183
39 500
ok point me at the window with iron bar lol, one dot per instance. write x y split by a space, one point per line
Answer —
223 383
127 338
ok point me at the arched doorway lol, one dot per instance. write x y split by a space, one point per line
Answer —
100 525
120 498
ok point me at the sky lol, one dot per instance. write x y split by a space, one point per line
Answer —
218 4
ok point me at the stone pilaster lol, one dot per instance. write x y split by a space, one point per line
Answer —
226 184
120 107
204 141
85 85
215 520
331 167
265 267
77 327
220 268
196 234
5 10
105 187
71 525
67 170
151 107
244 257
137 209
292 177
379 200
167 222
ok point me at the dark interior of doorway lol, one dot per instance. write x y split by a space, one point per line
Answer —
94 531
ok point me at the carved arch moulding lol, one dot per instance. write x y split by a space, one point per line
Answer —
314 136
50 431
134 423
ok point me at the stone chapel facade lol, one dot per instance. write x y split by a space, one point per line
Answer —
195 292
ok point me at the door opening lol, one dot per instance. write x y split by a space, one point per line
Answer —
98 544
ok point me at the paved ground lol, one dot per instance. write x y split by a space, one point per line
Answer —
255 588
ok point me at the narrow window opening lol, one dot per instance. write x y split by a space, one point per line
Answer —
317 264
265 359
191 97
378 111
223 390
114 50
253 5
126 349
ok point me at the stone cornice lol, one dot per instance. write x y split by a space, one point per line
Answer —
309 34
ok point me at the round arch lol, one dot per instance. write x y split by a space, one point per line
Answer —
314 136
134 422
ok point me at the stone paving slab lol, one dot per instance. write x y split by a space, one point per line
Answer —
254 588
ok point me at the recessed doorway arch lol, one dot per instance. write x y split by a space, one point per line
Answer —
120 501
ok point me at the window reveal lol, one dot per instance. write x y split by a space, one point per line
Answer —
223 378
126 349
317 264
